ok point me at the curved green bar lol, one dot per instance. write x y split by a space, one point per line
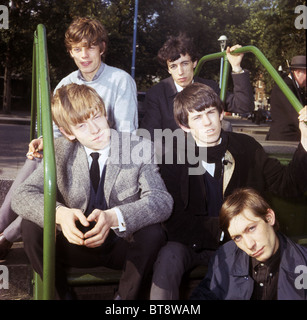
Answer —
41 111
264 61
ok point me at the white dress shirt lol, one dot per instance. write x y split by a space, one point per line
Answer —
104 154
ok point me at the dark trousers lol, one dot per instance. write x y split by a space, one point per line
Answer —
135 257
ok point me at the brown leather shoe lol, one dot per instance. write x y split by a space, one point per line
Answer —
5 247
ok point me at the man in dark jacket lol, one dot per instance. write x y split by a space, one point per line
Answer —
178 55
259 263
223 161
284 126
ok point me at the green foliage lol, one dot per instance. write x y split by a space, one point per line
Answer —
266 24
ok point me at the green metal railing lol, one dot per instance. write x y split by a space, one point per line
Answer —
41 120
264 61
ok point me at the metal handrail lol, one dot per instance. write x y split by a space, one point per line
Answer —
41 115
42 119
264 61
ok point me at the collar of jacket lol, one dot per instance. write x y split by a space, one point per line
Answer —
242 259
170 87
172 90
288 252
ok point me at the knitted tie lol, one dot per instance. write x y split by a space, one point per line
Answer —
94 171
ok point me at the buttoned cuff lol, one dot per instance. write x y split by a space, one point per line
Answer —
121 222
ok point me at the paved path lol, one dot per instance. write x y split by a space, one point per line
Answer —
14 140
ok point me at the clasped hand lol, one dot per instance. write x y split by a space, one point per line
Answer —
67 218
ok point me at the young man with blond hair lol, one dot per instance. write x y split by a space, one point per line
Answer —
115 223
86 41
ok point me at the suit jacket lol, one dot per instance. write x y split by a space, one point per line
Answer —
159 101
248 165
285 124
228 274
132 183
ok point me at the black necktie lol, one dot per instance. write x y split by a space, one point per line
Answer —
94 171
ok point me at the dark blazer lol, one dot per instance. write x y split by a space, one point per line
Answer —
248 166
159 101
228 274
285 124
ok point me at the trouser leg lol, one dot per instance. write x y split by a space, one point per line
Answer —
33 236
135 258
141 255
67 254
10 223
173 261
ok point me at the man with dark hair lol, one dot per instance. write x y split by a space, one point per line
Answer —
216 163
260 262
179 56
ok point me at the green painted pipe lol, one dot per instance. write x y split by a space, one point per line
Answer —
265 62
43 85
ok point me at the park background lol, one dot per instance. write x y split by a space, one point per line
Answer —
267 24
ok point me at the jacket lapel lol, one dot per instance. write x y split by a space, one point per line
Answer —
228 170
113 164
73 176
171 93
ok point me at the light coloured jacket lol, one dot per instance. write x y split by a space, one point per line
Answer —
132 183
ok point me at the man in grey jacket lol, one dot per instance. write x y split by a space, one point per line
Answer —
86 41
118 223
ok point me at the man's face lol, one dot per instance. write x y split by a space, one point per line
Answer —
87 59
205 126
182 70
300 76
94 133
254 235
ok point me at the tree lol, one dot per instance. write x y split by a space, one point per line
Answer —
15 46
271 28
266 24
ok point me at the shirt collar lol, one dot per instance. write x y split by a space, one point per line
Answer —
103 152
272 263
96 76
178 87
